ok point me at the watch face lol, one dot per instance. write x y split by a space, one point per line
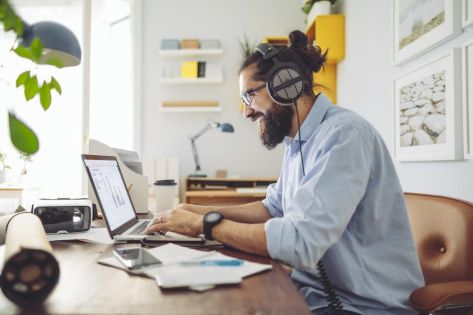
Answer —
212 217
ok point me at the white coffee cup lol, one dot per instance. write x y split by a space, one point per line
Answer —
165 191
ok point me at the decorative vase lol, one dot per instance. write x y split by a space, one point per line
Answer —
319 8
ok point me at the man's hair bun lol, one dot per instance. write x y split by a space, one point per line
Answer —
298 40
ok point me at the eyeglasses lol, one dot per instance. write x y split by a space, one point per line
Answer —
247 97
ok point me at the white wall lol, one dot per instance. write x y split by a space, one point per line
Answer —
365 86
166 134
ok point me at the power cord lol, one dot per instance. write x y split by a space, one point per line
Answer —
333 300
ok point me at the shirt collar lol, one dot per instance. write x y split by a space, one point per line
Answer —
313 119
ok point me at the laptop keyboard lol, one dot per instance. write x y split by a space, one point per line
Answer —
139 230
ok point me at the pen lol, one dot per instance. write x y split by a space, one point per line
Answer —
220 263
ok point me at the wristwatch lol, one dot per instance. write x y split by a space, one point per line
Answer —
211 219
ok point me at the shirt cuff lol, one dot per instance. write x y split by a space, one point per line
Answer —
274 242
273 211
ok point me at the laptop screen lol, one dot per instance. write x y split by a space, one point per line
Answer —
111 191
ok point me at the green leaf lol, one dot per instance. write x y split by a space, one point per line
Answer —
33 52
9 19
31 88
55 62
24 52
45 95
19 27
22 78
36 48
22 137
55 85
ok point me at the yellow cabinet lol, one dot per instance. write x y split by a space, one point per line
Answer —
328 32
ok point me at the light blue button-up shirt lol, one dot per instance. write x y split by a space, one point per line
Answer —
348 210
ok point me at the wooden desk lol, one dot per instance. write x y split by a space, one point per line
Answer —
225 191
86 287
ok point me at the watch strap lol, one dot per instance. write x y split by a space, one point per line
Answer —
208 225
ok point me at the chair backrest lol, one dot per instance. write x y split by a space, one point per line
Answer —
443 232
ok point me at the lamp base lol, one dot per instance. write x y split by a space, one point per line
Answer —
197 175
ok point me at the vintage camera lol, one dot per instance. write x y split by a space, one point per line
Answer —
64 215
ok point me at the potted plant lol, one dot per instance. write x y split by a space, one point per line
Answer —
3 167
314 8
247 47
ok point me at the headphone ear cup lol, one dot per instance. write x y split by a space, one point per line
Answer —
285 85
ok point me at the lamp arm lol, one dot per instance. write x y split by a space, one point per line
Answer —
196 156
202 131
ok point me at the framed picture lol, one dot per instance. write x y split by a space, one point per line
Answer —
420 25
467 53
428 110
467 13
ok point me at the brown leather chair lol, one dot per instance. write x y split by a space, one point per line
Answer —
443 232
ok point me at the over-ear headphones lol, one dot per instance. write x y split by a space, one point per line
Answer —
284 81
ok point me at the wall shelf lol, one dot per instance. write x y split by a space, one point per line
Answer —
191 109
173 53
191 81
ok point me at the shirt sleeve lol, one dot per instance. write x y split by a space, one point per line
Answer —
323 205
273 200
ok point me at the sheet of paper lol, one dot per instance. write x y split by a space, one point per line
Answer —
175 276
246 269
172 253
94 235
172 274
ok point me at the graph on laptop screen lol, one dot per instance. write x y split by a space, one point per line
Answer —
111 191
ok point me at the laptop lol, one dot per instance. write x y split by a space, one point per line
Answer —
117 208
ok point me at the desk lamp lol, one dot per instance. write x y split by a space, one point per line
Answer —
59 43
223 127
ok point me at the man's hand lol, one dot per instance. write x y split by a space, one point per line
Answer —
177 220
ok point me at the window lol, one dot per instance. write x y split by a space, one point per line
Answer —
112 74
56 169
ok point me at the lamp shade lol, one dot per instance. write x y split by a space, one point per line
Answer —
226 127
58 42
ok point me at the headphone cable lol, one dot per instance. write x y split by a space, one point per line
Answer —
334 302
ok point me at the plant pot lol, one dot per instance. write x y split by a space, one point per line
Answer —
2 176
319 8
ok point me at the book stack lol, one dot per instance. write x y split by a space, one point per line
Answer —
190 44
193 69
209 44
189 104
167 44
189 69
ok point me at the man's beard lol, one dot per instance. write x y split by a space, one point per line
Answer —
275 125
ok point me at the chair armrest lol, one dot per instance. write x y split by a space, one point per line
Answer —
437 295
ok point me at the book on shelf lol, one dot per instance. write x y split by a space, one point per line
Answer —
216 187
189 104
201 69
189 69
243 190
170 43
209 44
190 44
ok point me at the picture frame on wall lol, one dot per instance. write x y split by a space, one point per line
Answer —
420 25
428 110
467 13
467 54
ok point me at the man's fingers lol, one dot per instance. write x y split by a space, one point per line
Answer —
158 227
